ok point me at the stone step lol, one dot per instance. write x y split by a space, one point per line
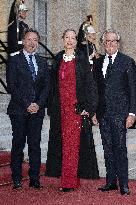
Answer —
6 131
4 120
131 135
4 101
131 172
44 149
4 158
5 98
5 173
3 77
3 70
6 138
3 107
5 142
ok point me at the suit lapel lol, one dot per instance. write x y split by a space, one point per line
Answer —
24 64
100 66
116 61
115 64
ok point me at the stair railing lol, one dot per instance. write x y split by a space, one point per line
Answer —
4 86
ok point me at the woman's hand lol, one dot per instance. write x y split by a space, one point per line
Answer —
85 113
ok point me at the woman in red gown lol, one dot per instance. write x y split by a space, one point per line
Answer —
74 94
70 124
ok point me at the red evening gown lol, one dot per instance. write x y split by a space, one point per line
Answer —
70 125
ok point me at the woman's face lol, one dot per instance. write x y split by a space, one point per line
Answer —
69 40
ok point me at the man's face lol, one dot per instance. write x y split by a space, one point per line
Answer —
22 15
91 37
30 42
91 21
111 43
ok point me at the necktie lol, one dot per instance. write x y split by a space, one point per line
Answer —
109 67
32 68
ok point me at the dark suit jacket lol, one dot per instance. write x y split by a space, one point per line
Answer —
21 86
117 93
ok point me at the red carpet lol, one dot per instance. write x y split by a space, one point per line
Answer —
86 195
5 172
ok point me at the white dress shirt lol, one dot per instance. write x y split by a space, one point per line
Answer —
106 62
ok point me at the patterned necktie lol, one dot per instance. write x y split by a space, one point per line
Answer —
32 68
109 67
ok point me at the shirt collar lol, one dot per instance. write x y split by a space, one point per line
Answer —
27 54
113 55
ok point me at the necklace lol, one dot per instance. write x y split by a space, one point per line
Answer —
68 58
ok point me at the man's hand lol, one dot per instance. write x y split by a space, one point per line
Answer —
94 120
130 121
33 108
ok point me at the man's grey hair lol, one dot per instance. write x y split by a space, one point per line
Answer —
110 31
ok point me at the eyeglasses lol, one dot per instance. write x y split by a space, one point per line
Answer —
111 41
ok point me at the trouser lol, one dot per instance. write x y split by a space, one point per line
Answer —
113 133
26 126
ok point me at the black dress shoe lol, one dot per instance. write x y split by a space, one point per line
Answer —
124 190
66 189
17 184
108 187
35 184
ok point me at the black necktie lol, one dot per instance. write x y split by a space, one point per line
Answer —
32 68
109 67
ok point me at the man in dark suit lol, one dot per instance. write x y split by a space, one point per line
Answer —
27 82
16 27
115 74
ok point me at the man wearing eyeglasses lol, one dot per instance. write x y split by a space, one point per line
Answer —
115 74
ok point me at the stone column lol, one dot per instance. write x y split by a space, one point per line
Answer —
97 9
108 11
123 17
40 21
3 17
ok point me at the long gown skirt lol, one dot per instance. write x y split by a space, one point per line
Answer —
70 125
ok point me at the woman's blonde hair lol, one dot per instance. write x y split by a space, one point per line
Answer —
64 33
